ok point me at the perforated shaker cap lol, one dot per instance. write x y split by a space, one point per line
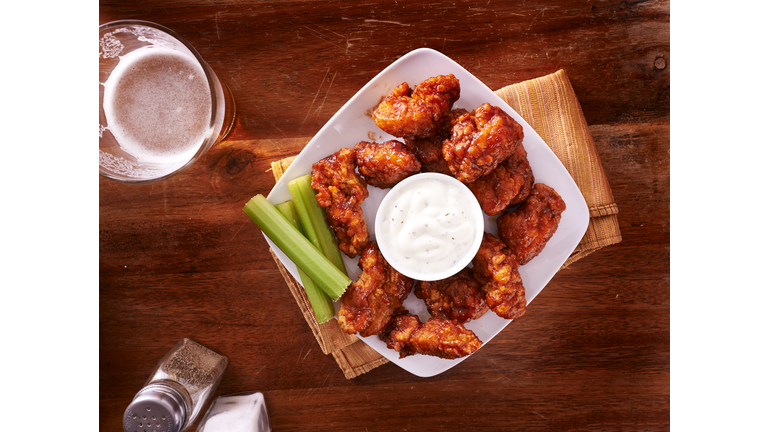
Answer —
156 408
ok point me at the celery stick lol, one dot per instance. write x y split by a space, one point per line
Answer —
303 253
313 218
321 304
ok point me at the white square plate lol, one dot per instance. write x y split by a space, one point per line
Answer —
352 123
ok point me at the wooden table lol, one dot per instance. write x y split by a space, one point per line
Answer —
180 258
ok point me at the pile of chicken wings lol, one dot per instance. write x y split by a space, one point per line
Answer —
484 150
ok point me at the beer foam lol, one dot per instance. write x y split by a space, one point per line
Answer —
157 104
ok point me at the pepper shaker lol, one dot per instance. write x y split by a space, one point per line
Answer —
180 385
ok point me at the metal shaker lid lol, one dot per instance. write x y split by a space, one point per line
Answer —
156 408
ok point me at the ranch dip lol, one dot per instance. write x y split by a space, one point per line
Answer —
427 225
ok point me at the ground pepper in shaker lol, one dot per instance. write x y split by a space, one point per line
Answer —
174 395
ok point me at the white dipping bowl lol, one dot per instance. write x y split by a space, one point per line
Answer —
394 251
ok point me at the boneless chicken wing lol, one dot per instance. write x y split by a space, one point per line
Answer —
346 219
383 165
528 229
341 191
508 184
437 337
459 297
429 150
336 174
479 141
417 113
368 304
495 267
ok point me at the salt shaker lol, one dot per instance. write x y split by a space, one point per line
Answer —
176 391
239 412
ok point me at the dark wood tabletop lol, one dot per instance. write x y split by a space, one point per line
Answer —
180 258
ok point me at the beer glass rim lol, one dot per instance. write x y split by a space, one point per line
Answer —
207 142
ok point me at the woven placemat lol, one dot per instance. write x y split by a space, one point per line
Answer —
550 106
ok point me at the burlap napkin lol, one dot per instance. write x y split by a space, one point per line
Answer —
550 106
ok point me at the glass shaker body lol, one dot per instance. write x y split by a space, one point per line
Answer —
239 412
177 390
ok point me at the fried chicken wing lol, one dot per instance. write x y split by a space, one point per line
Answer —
495 267
493 261
348 223
459 297
507 300
341 191
417 113
508 184
429 150
399 331
385 164
479 141
437 337
368 304
336 174
528 229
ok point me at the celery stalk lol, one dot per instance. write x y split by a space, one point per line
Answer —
313 218
321 304
303 253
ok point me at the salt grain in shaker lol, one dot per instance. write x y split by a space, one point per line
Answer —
176 391
240 412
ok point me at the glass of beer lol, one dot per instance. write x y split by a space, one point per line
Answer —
161 107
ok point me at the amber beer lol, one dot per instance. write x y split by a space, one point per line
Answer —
161 106
157 103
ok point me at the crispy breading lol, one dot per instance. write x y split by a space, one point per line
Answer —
437 337
385 164
341 191
507 300
528 229
496 268
417 113
479 141
429 150
336 174
368 304
348 223
459 297
493 261
508 184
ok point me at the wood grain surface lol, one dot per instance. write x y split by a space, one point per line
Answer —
180 258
